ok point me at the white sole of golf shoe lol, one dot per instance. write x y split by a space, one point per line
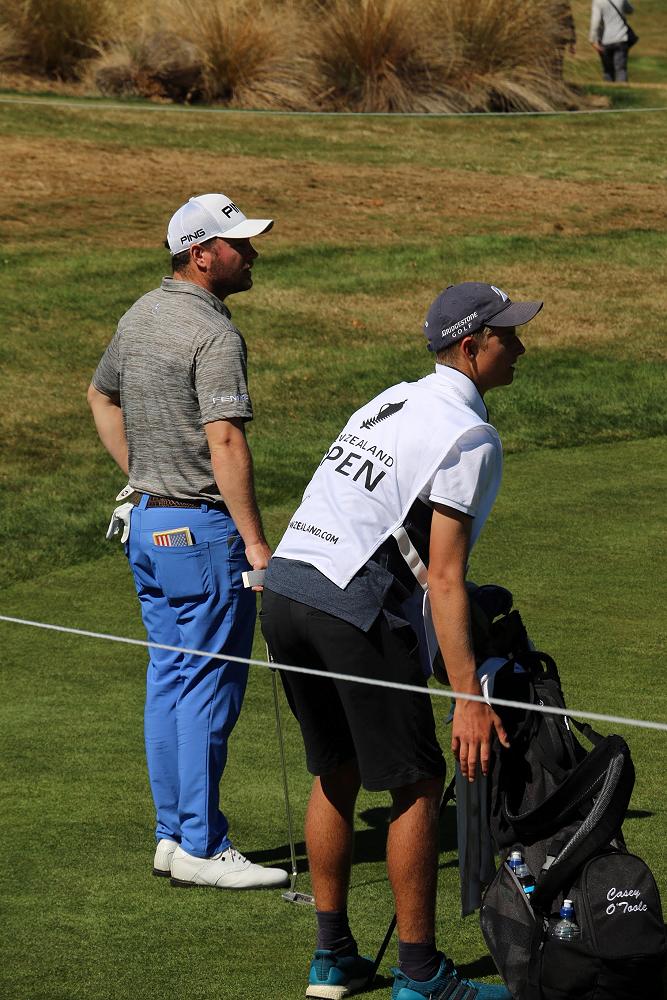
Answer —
228 870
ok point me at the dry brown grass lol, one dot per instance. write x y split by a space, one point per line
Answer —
236 52
342 55
251 51
381 55
503 55
56 37
430 55
75 180
11 48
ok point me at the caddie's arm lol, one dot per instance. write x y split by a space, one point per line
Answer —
108 418
474 722
233 471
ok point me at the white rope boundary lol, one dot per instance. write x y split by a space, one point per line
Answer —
93 105
431 692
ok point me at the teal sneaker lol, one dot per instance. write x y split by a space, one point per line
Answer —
333 977
446 985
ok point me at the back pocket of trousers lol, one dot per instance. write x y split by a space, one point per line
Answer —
183 573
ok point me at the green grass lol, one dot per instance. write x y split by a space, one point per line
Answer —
76 874
501 145
373 217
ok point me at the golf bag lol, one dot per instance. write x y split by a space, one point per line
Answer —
562 807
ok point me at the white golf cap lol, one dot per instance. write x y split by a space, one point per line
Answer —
210 215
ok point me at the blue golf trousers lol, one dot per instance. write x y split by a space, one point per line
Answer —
192 597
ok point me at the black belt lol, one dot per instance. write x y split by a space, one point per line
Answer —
154 501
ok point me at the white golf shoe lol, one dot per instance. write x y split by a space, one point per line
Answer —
164 852
227 870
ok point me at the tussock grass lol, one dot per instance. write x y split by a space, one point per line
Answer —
359 55
504 54
426 56
381 55
55 37
239 53
251 51
10 45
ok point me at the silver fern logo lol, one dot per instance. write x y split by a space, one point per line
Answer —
385 411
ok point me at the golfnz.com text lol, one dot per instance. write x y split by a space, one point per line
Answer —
311 529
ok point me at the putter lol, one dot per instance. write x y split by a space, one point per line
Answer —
255 578
449 794
291 895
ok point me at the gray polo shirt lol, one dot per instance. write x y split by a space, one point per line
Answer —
178 362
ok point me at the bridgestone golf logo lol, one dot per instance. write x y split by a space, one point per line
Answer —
312 529
457 326
626 901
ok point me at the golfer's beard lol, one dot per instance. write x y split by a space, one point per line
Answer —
222 285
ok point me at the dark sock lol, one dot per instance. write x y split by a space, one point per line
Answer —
419 961
333 932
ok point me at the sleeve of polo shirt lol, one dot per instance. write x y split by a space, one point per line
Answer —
220 378
466 471
107 374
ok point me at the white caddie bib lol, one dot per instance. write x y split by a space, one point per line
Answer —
374 471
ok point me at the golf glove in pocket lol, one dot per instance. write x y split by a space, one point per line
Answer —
120 523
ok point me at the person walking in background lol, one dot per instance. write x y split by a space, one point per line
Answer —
611 37
339 597
170 400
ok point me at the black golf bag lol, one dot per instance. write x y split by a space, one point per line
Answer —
562 807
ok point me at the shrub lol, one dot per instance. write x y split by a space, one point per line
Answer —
380 55
503 54
238 52
55 37
458 55
160 64
253 52
10 45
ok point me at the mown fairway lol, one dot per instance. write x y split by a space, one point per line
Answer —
373 217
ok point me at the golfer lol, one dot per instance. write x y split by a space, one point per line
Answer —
338 597
170 401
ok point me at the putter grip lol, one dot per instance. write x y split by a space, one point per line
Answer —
253 577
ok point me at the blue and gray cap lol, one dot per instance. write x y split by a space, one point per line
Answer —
466 308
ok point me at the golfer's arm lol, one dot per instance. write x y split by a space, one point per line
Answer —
108 418
233 471
450 543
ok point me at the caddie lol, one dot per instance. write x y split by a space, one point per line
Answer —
408 483
170 401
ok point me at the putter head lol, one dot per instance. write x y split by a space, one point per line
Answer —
298 897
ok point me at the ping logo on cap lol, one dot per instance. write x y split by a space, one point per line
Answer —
228 209
189 237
